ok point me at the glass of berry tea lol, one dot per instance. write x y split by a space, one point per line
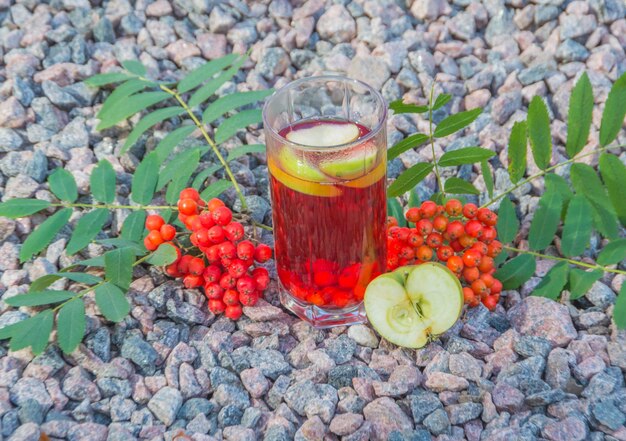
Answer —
326 154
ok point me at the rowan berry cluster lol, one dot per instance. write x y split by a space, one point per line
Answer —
463 237
220 260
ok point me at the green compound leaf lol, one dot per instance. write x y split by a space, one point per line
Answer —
414 199
202 73
71 325
561 186
399 107
516 271
243 150
409 179
34 332
518 140
134 225
239 121
132 104
183 163
395 209
167 144
467 155
613 253
13 329
16 208
619 311
118 97
456 122
459 186
231 102
546 221
118 266
145 179
63 185
577 227
199 179
613 173
586 182
45 281
164 255
579 116
441 100
406 144
539 132
148 121
580 281
216 189
87 228
135 67
112 302
44 233
553 282
39 298
614 112
209 88
487 176
508 224
107 78
102 182
177 185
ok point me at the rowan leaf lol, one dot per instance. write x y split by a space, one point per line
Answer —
487 176
44 233
586 182
135 67
539 132
577 227
87 228
43 282
560 185
63 185
215 189
134 225
243 150
441 100
199 179
34 332
399 107
414 199
240 120
71 325
197 76
613 253
102 182
119 95
8 331
516 271
167 144
456 122
459 186
163 255
148 121
579 116
466 155
581 281
518 141
395 209
112 302
553 282
145 179
16 208
406 144
508 224
39 298
619 311
546 221
177 185
409 179
104 79
209 88
118 266
132 104
614 112
613 173
231 102
184 163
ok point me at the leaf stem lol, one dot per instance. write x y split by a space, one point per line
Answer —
115 207
563 259
209 140
547 170
432 139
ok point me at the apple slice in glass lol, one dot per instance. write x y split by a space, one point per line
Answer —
413 303
325 134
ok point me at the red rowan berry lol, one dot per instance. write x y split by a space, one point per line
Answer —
486 264
262 253
187 206
155 238
149 245
214 203
231 297
236 268
487 279
440 223
407 253
212 254
469 297
168 232
391 222
228 281
261 278
194 223
455 229
481 247
183 263
496 288
428 209
469 210
212 273
424 227
487 217
491 302
444 252
434 240
489 234
466 240
222 216
494 248
213 291
234 231
479 287
424 253
206 219
154 222
454 207
216 306
246 285
233 312
471 258
456 246
172 270
249 299
415 239
216 234
189 193
227 250
474 228
245 250
196 266
191 281
455 264
471 274
413 214
202 237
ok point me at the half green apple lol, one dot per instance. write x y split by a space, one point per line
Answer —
413 303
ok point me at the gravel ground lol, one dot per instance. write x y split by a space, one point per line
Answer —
534 369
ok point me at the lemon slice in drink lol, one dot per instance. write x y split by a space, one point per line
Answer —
410 305
325 134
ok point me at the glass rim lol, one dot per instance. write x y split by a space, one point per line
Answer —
325 78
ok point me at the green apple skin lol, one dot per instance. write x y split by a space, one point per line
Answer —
349 168
299 167
413 303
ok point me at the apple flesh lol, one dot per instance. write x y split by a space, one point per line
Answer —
355 164
414 303
325 134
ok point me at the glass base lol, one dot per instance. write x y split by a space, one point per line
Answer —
322 318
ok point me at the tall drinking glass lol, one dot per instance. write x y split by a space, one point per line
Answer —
326 154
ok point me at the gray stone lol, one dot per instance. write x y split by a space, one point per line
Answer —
341 349
385 416
530 346
607 414
600 295
195 406
257 205
569 429
370 69
341 376
571 50
9 140
437 422
545 398
271 362
505 105
26 432
229 416
30 411
226 394
165 404
103 31
574 26
336 25
542 317
462 413
141 353
422 404
273 62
